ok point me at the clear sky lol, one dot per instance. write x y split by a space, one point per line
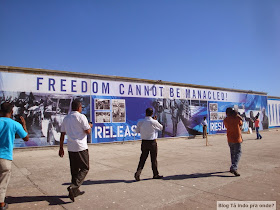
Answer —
221 43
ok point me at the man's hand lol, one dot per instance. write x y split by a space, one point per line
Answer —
23 123
155 117
22 120
61 152
26 138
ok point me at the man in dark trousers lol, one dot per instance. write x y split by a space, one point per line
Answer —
8 129
77 127
148 128
257 125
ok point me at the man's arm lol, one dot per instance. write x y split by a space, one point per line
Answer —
158 126
225 123
61 150
26 138
89 130
240 122
137 129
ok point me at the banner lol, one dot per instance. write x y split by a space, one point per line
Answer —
115 107
248 107
274 112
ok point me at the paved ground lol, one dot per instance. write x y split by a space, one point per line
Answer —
195 176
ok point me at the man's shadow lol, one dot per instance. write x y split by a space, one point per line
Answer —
111 181
197 175
53 200
251 139
173 177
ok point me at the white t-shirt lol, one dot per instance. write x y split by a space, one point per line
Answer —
148 128
74 125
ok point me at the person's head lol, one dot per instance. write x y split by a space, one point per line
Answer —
257 117
149 112
229 111
251 114
76 105
234 113
7 109
204 118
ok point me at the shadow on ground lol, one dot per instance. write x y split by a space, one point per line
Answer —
111 181
197 175
173 177
53 200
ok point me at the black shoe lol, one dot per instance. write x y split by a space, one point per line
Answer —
78 193
157 177
137 176
4 207
71 194
234 172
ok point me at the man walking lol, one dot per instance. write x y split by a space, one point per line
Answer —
77 127
148 128
257 126
233 122
204 124
8 129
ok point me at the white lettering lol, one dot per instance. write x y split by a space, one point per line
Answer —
98 132
217 126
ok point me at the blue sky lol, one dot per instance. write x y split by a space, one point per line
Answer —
221 43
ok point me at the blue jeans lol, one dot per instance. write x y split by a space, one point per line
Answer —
235 154
258 134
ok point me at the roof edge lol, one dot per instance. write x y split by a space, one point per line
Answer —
273 97
117 78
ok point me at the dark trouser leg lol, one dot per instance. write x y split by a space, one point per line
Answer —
204 131
258 133
154 157
145 152
235 151
231 155
79 164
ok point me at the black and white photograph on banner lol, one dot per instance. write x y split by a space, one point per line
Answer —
213 107
102 117
177 115
102 104
118 110
213 115
221 115
43 113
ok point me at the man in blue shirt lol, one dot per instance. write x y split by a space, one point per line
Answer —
8 129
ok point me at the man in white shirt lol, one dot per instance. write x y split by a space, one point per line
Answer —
148 128
77 127
204 124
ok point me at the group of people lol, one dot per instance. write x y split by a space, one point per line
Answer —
76 126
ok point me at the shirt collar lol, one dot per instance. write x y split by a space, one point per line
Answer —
75 112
